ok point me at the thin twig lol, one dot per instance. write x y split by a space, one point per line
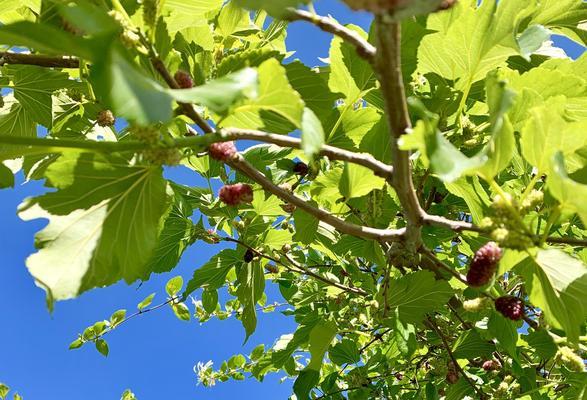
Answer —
456 226
308 272
328 24
334 153
567 240
8 57
435 328
383 235
300 268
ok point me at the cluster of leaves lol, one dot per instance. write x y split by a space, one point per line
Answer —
4 390
498 146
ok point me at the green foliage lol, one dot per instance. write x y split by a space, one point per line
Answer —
371 265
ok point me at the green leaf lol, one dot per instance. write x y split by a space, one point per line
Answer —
102 347
277 105
6 177
350 75
500 149
220 94
209 300
417 294
358 181
320 338
128 395
470 345
213 273
569 193
307 227
181 311
174 285
33 88
312 85
146 302
556 283
543 343
532 39
351 127
312 133
466 48
34 36
233 19
345 352
15 121
250 290
275 8
4 391
305 382
470 189
83 246
504 331
117 318
76 344
129 92
175 237
547 132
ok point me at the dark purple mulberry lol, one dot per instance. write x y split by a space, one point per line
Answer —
511 307
300 168
249 255
484 265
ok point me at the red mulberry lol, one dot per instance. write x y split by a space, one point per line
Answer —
222 151
184 79
233 195
491 365
511 307
484 265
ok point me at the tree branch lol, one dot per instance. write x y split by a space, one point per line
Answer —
388 67
188 109
328 24
457 226
383 235
334 153
567 240
40 60
435 328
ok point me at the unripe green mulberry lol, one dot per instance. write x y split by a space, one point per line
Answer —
163 156
476 305
571 360
146 134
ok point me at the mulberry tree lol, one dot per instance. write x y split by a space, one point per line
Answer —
419 199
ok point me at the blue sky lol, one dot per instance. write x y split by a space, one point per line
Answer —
153 355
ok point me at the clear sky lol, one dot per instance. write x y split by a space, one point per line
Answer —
154 354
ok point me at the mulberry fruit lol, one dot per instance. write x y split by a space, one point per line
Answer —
184 79
491 365
300 168
511 307
249 255
105 118
484 265
571 360
234 195
222 151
